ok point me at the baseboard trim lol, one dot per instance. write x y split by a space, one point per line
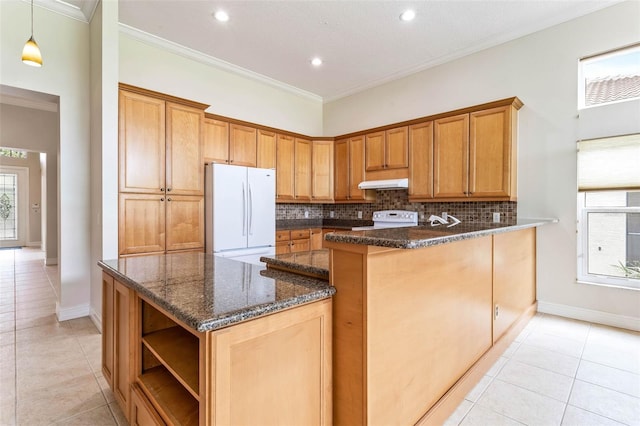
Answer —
96 319
34 244
73 312
51 261
590 315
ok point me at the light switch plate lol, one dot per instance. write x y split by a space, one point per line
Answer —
496 217
332 214
359 214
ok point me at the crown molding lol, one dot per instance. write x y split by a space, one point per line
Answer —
28 103
195 55
82 14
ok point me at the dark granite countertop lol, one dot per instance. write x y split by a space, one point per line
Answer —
426 236
207 292
314 262
289 224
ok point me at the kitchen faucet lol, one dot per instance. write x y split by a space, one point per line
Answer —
437 220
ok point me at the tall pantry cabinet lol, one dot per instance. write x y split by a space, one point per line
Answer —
161 173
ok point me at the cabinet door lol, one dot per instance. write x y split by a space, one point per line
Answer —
266 149
374 151
142 412
302 163
322 171
285 148
341 168
490 156
514 277
242 145
141 224
397 148
356 167
141 143
421 161
316 238
300 245
451 157
185 167
107 328
123 305
185 222
216 141
282 247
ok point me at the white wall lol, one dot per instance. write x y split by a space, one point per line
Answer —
229 94
542 70
104 145
64 43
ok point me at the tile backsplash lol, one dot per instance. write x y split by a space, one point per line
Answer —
467 212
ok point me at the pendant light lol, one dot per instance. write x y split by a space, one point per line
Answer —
31 52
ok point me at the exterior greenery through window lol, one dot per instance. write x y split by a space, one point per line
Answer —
12 153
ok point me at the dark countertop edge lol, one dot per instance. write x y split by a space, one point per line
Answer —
228 319
296 266
400 243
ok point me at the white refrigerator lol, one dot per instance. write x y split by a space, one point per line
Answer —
240 211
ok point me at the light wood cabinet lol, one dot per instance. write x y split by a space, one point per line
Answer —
492 156
285 178
141 143
514 277
349 171
276 369
266 149
117 347
451 157
302 165
216 141
421 161
299 240
387 149
242 145
161 158
322 171
474 155
317 236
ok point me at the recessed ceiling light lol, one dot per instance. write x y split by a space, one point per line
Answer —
221 16
316 62
408 15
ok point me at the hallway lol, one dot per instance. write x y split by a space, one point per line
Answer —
50 372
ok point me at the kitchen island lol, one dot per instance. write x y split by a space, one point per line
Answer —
421 313
190 338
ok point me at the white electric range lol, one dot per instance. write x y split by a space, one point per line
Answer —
391 219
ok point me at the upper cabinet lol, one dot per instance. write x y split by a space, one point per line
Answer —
242 145
150 128
302 166
349 171
474 155
421 161
229 143
285 148
266 158
387 149
322 171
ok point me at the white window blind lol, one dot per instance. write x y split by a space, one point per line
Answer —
609 163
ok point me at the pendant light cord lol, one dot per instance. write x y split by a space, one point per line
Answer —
31 18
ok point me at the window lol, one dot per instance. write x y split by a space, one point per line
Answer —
610 77
609 211
8 202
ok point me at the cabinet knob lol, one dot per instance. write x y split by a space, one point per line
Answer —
161 199
168 199
161 189
168 189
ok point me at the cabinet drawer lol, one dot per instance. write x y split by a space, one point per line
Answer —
142 412
300 245
282 235
300 234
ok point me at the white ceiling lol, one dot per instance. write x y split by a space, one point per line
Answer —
362 43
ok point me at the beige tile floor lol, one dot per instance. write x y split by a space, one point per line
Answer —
557 372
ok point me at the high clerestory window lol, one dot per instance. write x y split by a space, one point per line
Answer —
610 77
12 153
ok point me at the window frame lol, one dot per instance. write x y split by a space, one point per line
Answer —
584 277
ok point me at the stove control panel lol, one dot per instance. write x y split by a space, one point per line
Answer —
395 216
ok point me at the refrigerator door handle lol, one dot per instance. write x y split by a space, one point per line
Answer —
244 211
250 211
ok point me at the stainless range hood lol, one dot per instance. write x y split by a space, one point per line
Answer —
384 184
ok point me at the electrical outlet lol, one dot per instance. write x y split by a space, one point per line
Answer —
359 214
496 217
421 216
332 214
445 216
306 214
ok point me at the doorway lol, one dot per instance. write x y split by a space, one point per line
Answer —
14 196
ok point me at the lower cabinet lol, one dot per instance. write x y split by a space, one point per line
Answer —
117 339
276 369
293 241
